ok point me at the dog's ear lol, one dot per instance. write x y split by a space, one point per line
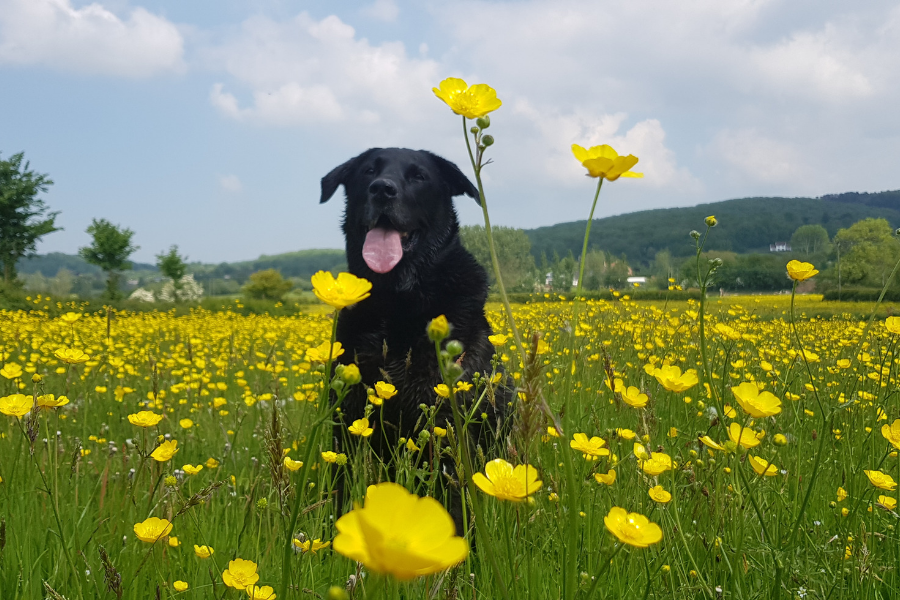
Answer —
340 175
458 183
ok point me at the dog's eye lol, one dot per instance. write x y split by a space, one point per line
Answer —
417 176
369 171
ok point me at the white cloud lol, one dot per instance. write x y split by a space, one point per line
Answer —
52 33
759 158
382 10
306 71
231 184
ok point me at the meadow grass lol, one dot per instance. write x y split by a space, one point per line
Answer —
76 479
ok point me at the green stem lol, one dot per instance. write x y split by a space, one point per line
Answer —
603 568
584 247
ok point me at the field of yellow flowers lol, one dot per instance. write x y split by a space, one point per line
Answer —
148 455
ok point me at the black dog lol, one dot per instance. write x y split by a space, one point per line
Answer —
402 235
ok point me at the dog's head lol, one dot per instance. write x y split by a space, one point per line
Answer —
399 212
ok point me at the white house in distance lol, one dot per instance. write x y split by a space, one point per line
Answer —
780 247
641 280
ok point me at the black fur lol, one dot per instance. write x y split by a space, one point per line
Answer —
386 333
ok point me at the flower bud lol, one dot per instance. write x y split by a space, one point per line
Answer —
438 329
483 122
779 439
487 140
337 385
473 130
424 436
351 374
454 371
454 348
36 378
710 221
695 234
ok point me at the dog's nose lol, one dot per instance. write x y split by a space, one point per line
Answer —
383 187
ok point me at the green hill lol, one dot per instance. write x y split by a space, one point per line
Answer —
745 225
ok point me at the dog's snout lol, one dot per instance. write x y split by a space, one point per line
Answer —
383 187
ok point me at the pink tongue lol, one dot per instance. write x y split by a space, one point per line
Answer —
382 250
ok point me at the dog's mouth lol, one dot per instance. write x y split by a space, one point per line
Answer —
384 245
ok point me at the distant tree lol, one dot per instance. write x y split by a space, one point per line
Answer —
267 285
23 216
868 252
810 239
563 272
513 253
173 265
663 268
61 285
109 250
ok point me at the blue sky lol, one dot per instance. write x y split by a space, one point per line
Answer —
209 123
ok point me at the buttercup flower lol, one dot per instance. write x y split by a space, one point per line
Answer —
591 449
671 378
152 529
240 574
498 339
756 403
320 352
180 586
51 401
291 464
203 551
469 101
658 494
709 442
145 418
264 592
763 467
841 494
892 324
361 428
657 464
632 528
438 328
329 456
70 317
800 271
165 451
742 435
881 480
507 483
191 469
603 161
383 391
606 479
16 405
346 290
310 545
632 396
11 371
71 356
892 433
887 502
400 534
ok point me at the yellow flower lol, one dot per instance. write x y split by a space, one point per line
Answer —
291 464
728 332
640 452
671 378
742 435
329 456
191 469
887 502
711 221
800 271
71 356
211 463
180 586
625 434
264 592
438 328
607 479
442 390
240 574
892 324
841 494
440 432
552 432
603 161
881 480
346 290
756 403
203 551
152 529
469 101
51 401
16 405
658 494
507 483
657 464
165 451
361 428
591 449
498 339
633 397
892 433
145 418
173 541
70 317
633 529
400 534
763 467
350 374
310 546
320 352
11 371
186 423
